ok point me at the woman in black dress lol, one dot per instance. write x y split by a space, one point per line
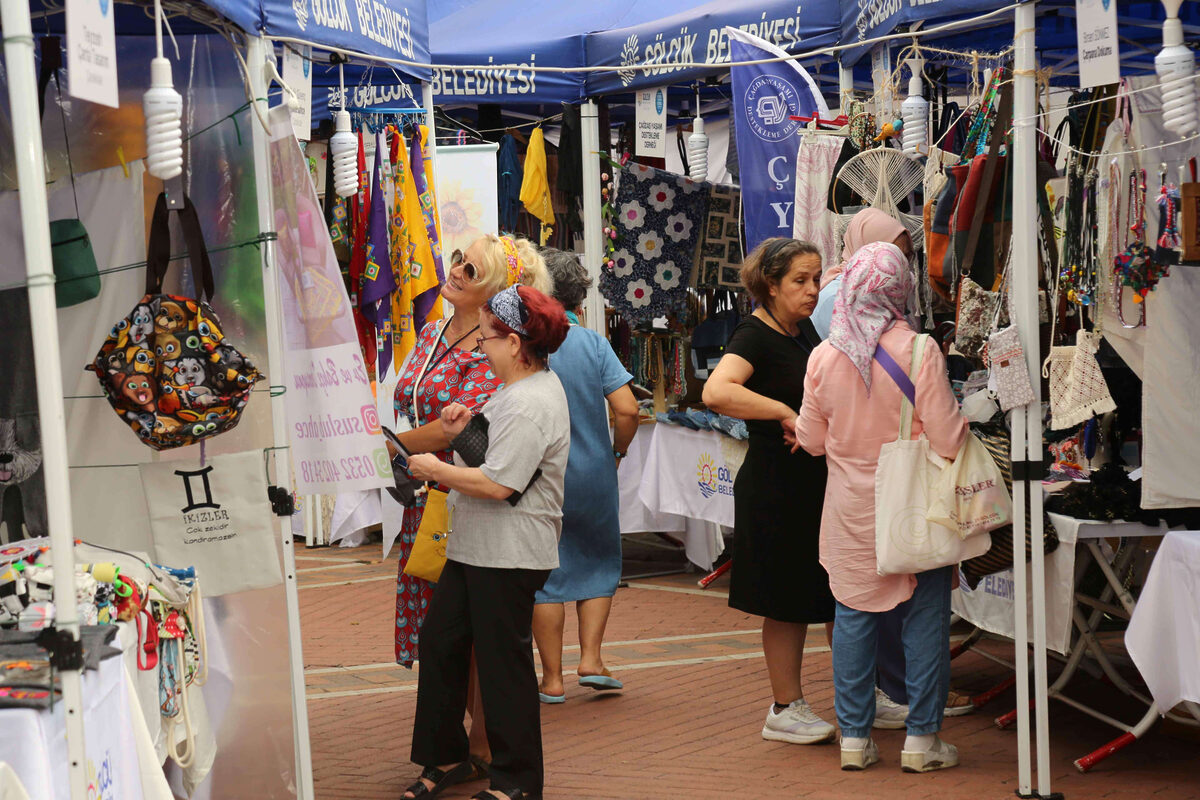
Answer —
777 495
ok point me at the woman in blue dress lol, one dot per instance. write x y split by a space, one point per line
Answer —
589 551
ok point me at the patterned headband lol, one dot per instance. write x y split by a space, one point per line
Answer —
509 309
515 271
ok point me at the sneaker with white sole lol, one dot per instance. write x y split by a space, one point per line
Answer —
860 758
889 715
796 724
939 756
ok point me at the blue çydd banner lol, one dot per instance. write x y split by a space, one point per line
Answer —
765 98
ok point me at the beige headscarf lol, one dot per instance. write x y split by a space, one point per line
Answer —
869 225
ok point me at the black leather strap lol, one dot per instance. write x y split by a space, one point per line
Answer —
158 249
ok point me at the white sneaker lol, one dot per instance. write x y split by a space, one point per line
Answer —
860 758
889 715
939 756
796 724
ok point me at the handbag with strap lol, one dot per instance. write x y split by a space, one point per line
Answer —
77 278
427 558
906 541
428 555
166 368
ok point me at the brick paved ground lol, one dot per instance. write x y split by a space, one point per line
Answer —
688 723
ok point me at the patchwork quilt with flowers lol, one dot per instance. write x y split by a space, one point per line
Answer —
659 219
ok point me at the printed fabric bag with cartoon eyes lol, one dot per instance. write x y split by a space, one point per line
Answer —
166 368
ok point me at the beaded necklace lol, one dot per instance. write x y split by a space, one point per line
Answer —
1135 267
1078 272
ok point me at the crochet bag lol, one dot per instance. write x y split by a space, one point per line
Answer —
166 368
1077 387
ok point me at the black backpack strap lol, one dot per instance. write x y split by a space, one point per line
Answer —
158 249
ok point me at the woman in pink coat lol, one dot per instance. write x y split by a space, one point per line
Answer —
851 408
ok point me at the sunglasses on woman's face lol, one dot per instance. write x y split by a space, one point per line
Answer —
468 269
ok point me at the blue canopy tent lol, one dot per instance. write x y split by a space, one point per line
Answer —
1049 29
672 34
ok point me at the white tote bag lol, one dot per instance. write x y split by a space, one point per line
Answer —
906 542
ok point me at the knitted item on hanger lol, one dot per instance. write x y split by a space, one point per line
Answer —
1078 390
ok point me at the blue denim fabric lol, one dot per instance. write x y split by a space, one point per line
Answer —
926 637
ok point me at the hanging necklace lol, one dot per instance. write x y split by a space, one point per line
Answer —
1135 266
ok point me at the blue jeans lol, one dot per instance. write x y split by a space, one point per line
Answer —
926 637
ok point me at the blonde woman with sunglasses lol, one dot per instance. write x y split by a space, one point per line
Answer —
442 369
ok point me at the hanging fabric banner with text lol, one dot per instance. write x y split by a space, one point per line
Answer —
333 425
765 98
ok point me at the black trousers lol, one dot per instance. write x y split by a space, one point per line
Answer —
491 609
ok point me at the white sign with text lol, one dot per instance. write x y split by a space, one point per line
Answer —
92 51
1099 51
651 123
297 73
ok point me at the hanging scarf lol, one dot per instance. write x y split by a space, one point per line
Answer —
535 188
427 298
358 253
872 297
509 186
415 266
868 225
378 279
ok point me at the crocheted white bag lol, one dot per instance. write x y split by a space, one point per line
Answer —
1077 387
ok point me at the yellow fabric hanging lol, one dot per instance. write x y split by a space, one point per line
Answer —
535 187
412 258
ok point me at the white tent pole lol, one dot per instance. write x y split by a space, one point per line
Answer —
1020 576
43 321
257 51
1025 289
593 222
1027 427
845 87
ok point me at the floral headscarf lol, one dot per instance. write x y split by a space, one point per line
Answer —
873 296
868 225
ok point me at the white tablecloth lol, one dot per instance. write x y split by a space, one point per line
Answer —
1163 637
118 745
676 480
992 605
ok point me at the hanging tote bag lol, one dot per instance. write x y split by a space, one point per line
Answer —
907 477
428 555
166 368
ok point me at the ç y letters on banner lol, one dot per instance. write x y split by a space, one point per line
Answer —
333 424
215 517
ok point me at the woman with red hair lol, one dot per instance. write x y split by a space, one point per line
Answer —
507 517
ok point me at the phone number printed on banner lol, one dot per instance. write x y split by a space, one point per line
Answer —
327 470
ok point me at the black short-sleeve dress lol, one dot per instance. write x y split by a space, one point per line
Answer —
778 495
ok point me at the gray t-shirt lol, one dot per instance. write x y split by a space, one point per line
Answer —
529 428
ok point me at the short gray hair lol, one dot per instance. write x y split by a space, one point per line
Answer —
571 281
